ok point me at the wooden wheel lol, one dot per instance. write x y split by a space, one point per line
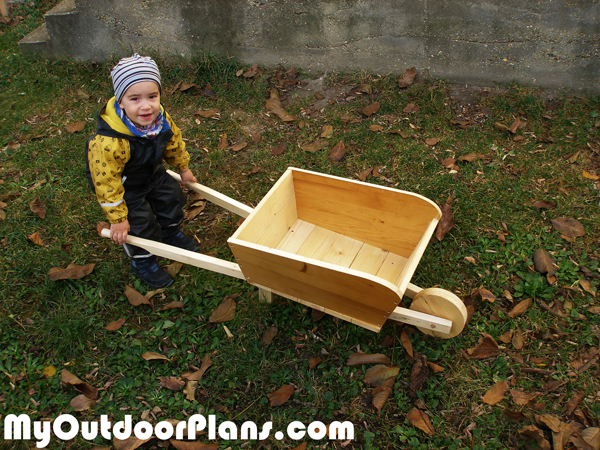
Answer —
444 304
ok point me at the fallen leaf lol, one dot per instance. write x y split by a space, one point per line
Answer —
544 262
76 126
313 146
419 374
446 223
407 78
256 138
496 393
173 268
82 94
114 326
552 386
357 359
252 71
208 113
471 157
568 226
375 127
327 131
224 312
151 356
279 149
519 397
411 108
194 212
172 305
518 340
314 362
338 152
362 176
371 109
281 395
592 437
86 389
223 143
534 433
486 295
302 446
520 308
432 141
134 297
192 445
487 347
471 260
198 374
500 126
573 159
71 272
518 123
594 309
591 176
544 204
268 336
38 207
238 147
405 340
435 368
82 403
274 106
382 393
587 287
49 371
514 416
37 240
463 124
376 375
420 420
171 383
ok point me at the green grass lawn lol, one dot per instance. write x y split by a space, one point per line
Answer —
491 177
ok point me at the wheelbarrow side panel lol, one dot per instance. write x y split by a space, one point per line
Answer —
354 296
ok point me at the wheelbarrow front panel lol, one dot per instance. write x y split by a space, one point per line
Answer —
340 244
351 295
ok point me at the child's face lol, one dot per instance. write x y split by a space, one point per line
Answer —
141 103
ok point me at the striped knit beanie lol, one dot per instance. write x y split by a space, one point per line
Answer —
132 70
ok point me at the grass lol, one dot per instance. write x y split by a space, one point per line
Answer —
61 323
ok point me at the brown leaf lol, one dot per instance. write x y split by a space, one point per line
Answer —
376 375
376 128
313 146
405 340
173 268
434 368
134 297
407 78
534 433
591 176
281 395
238 147
300 447
411 108
500 126
172 305
552 386
471 157
319 96
544 204
496 393
518 340
76 126
208 113
420 420
252 71
419 374
594 309
223 143
314 362
114 326
198 374
561 437
279 149
130 443
87 390
514 416
82 403
37 240
544 262
38 207
432 141
171 383
327 131
356 359
520 308
486 295
151 356
274 106
224 312
268 336
371 109
592 437
446 223
338 152
518 123
71 272
587 287
381 393
573 159
486 348
364 174
519 397
192 445
568 226
49 371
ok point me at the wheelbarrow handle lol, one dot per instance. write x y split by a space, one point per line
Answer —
216 197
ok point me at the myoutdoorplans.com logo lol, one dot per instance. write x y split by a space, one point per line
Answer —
66 427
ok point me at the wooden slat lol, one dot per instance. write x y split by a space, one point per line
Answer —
411 265
392 267
315 240
369 259
268 210
296 236
339 250
280 226
386 218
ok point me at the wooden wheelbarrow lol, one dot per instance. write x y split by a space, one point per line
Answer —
340 246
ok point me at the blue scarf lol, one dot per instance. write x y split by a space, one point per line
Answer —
151 131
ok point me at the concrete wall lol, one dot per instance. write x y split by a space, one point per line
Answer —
546 43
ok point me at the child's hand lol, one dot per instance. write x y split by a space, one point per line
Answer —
118 231
187 176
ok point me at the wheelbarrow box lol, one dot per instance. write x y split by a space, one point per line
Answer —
341 246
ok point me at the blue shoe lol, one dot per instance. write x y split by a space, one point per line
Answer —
180 240
148 270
